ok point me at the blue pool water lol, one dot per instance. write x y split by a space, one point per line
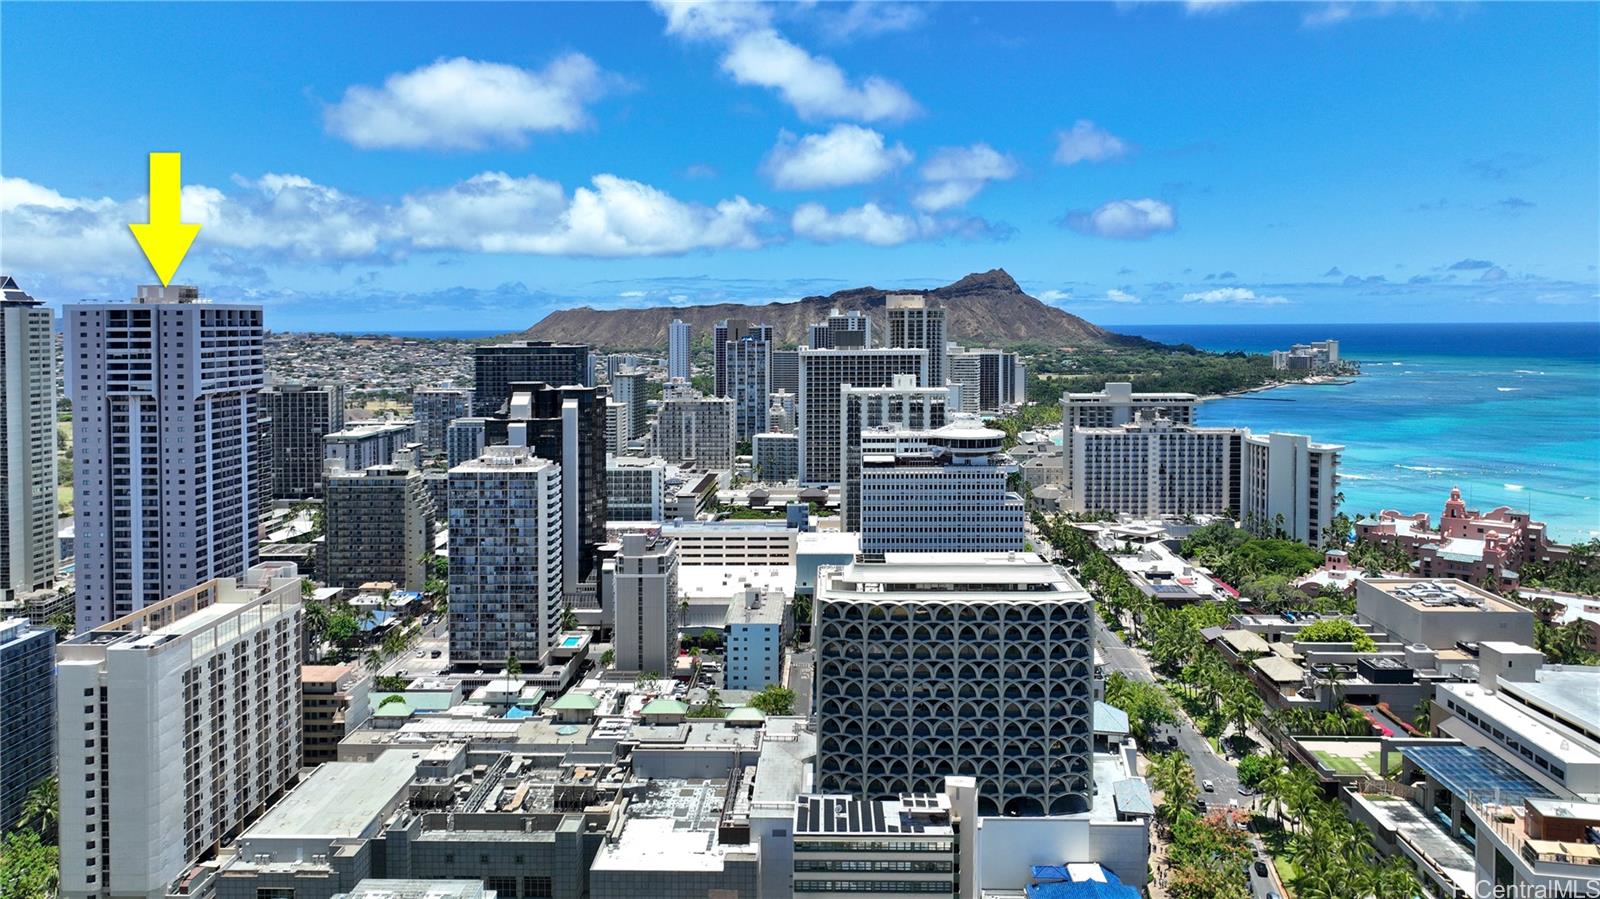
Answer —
1509 413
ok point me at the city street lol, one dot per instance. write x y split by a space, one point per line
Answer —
1207 764
801 671
435 636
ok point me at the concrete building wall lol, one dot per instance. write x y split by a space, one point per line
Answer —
822 374
645 633
28 548
174 726
302 415
376 527
165 448
678 345
505 557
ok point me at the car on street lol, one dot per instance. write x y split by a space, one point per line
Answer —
419 653
1209 786
1261 868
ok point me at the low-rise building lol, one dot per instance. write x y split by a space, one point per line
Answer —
333 702
851 845
1505 803
738 542
756 632
1442 612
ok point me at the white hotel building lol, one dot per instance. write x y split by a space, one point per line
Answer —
939 490
1117 404
166 448
1153 467
176 725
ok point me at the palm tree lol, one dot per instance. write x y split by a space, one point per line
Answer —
375 658
1422 717
513 667
1301 792
1272 786
42 808
1396 880
316 622
1173 776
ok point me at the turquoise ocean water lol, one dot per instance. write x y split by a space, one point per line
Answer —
1509 413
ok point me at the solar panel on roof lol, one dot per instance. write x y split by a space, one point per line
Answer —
1478 772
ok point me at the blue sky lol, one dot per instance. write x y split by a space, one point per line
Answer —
411 166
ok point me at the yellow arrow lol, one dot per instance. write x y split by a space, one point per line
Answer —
165 240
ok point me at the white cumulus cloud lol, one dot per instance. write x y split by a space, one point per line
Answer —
290 219
1242 296
1088 142
756 54
848 154
868 223
955 175
466 104
1121 296
1124 219
1053 296
497 213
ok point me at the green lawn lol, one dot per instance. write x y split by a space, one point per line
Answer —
1372 761
1340 764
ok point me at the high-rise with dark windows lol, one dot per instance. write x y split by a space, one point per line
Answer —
496 367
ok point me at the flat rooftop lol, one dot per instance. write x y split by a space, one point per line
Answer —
670 824
376 888
769 610
841 543
1569 691
911 813
1441 594
928 572
340 800
725 581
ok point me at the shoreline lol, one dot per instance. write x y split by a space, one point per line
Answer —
1333 380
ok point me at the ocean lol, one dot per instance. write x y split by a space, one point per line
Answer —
1510 413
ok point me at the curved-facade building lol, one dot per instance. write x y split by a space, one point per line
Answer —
959 663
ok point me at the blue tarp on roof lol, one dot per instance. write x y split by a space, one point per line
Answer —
1056 882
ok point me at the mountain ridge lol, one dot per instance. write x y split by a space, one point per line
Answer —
982 308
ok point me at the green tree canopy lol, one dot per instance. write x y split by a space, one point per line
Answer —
774 699
1336 630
